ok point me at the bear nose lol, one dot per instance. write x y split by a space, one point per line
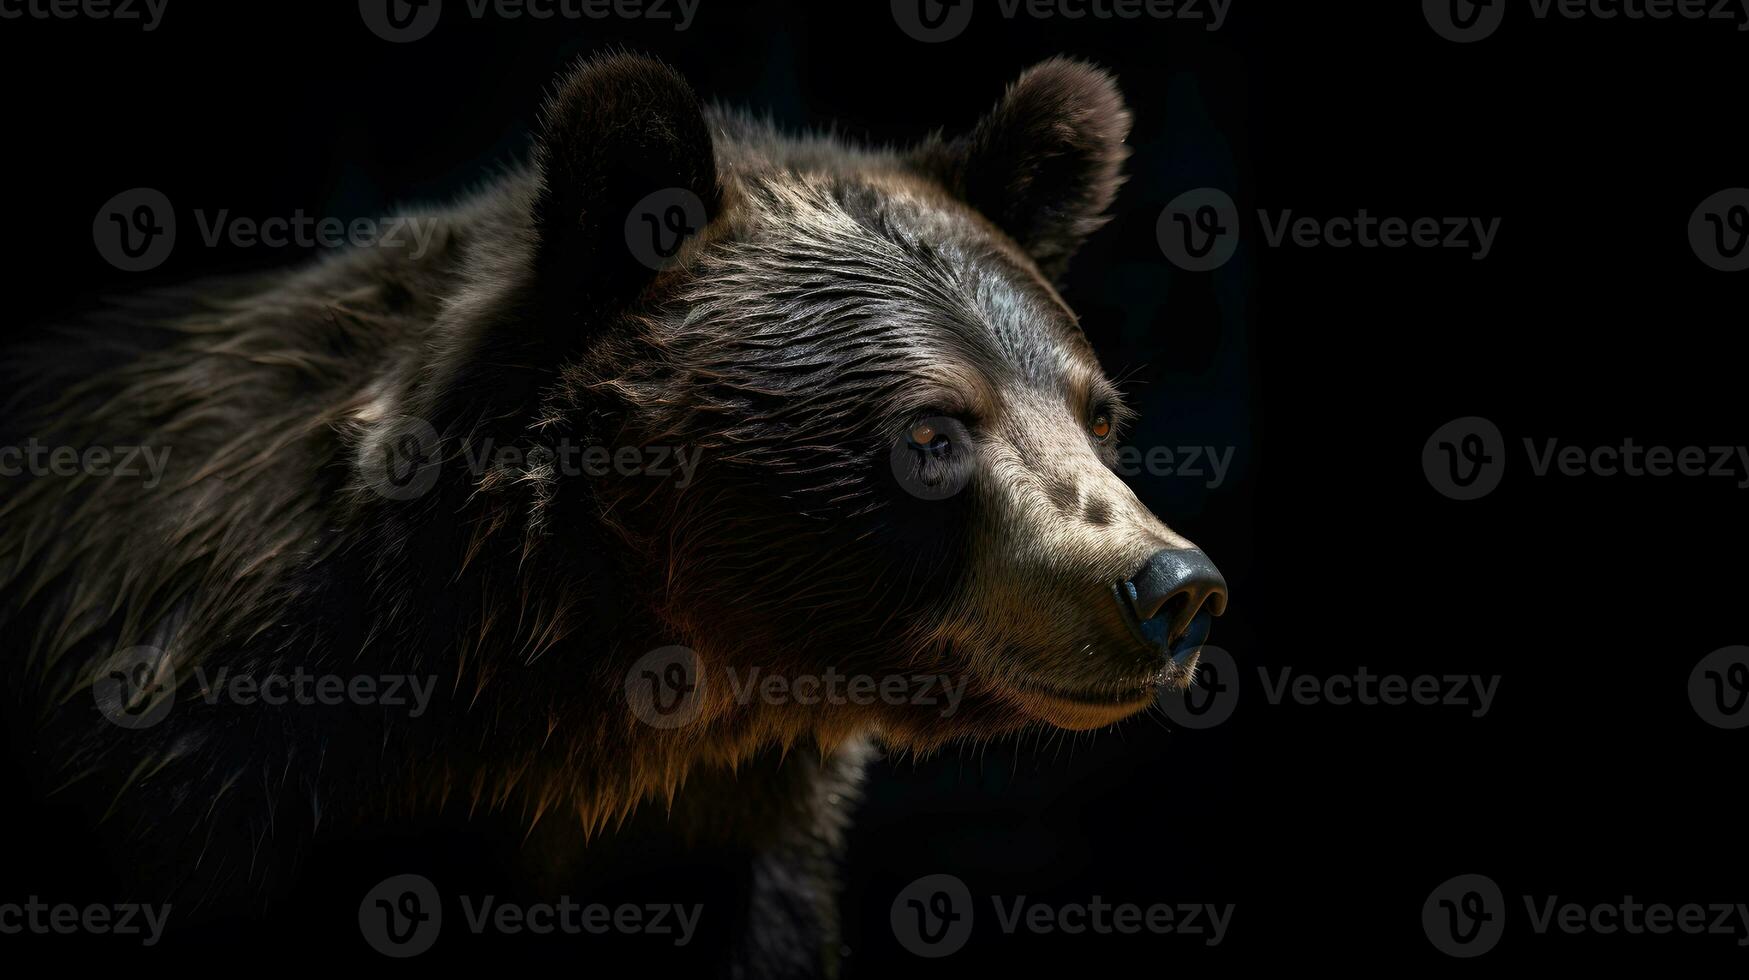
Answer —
1170 591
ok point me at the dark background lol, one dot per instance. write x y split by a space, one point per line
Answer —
1326 371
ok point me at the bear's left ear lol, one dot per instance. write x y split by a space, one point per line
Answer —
1045 163
623 133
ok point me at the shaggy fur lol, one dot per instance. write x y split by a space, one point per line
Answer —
837 295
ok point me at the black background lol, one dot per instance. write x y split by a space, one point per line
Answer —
1325 370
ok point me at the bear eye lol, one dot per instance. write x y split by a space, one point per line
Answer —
926 436
1101 427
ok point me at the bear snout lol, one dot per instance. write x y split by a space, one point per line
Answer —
1169 602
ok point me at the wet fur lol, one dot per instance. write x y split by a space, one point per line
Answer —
837 292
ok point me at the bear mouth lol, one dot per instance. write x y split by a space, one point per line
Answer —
1183 651
1081 708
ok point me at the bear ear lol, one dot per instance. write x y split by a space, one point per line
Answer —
622 133
1045 163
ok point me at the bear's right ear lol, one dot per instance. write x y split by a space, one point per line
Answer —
622 133
1046 163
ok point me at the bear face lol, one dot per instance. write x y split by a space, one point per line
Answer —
906 442
897 444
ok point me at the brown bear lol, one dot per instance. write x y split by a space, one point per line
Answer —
683 446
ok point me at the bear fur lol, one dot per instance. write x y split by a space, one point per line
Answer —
830 297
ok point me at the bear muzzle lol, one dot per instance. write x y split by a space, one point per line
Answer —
1170 602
